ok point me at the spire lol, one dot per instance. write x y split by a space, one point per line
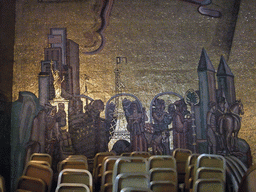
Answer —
204 63
223 69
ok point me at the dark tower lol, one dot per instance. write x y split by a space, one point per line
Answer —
207 89
225 80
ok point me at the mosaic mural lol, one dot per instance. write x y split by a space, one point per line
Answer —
61 121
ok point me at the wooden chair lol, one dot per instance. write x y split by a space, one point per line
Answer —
209 185
81 176
161 161
39 171
124 180
74 187
248 183
181 156
31 184
41 157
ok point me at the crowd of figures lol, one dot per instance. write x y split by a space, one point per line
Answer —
156 134
223 125
88 133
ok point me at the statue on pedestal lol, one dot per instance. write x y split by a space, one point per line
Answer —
57 82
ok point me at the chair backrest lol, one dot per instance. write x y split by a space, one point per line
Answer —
248 183
181 154
107 187
97 163
107 177
237 169
74 187
78 157
22 190
41 157
136 189
107 169
131 179
130 164
192 159
75 176
41 162
108 163
209 185
39 171
140 154
72 164
163 174
161 161
211 160
239 163
181 157
126 154
210 173
31 184
163 186
189 177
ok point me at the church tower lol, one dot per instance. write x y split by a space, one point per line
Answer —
225 80
207 89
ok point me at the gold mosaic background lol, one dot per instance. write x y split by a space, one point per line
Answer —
162 41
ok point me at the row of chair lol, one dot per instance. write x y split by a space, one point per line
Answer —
188 171
209 172
37 175
74 175
149 172
198 171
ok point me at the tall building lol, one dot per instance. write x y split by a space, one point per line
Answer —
225 80
207 88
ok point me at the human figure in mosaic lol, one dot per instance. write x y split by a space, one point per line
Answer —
212 134
57 81
135 125
64 138
179 126
230 124
160 139
220 112
52 136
